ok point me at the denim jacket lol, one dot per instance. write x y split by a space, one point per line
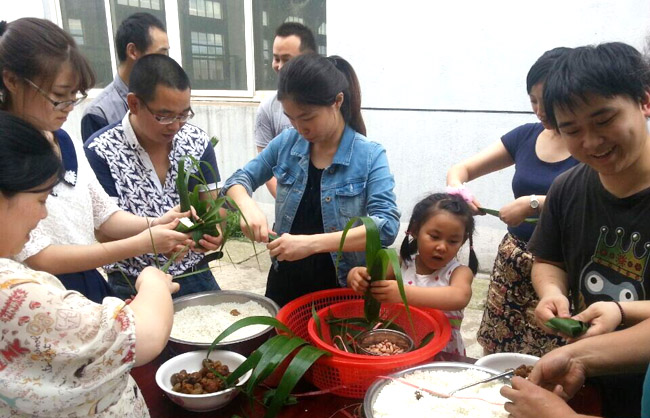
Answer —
357 183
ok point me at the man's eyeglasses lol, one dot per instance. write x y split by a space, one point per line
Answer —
58 105
166 120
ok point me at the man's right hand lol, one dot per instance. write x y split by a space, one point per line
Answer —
559 372
549 307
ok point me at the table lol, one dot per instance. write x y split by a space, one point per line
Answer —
319 406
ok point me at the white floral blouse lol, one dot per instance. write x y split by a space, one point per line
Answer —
61 354
77 206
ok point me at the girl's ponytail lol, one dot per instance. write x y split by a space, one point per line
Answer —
473 260
351 107
408 248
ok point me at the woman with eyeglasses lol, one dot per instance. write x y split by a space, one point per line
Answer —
43 76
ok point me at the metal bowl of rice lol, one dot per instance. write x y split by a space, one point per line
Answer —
200 317
405 391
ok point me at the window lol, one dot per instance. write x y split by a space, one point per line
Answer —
205 8
213 43
268 15
210 38
86 22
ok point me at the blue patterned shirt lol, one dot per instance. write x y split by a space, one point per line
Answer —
127 174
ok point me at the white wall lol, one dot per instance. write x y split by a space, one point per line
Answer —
470 56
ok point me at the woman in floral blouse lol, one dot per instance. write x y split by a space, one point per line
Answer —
60 353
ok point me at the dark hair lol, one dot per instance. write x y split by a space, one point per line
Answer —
307 41
606 70
428 207
135 29
539 71
28 158
36 49
153 70
315 80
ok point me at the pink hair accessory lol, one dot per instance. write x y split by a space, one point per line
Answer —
461 191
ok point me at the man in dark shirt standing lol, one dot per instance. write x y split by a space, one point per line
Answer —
138 35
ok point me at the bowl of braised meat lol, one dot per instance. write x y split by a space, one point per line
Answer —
197 382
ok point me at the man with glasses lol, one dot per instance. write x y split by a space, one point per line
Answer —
136 161
138 35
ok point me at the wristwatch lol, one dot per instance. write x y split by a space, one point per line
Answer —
534 202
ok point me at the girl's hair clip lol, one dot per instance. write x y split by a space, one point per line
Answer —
462 192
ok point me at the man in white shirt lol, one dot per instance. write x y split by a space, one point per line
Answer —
291 39
136 161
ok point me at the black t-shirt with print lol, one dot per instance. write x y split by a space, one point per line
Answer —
602 240
604 243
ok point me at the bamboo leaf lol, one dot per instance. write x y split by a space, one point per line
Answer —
252 360
494 212
393 259
296 369
244 322
182 185
426 339
173 258
316 321
372 306
273 358
567 326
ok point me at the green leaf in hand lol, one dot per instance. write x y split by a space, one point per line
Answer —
567 326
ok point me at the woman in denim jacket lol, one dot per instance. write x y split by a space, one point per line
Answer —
327 173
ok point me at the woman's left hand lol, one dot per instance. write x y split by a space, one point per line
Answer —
291 247
209 242
603 317
527 400
172 214
514 213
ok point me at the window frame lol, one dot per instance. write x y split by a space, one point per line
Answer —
172 23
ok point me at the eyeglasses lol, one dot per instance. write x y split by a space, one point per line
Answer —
167 120
58 105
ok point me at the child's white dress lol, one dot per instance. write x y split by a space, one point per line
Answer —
438 278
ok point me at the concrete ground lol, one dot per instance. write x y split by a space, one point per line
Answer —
245 271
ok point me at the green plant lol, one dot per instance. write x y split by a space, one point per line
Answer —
377 261
268 357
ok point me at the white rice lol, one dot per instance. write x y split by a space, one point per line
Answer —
203 323
397 400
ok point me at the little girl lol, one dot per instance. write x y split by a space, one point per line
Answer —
439 226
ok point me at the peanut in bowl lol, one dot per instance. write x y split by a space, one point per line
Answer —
384 342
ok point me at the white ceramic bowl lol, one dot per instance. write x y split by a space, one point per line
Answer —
503 361
192 362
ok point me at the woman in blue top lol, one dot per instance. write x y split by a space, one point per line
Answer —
327 173
539 155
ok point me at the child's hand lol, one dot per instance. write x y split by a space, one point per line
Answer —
358 279
385 291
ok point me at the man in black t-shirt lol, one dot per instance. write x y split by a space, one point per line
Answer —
593 240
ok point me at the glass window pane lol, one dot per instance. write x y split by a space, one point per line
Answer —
217 9
119 11
85 20
267 16
216 56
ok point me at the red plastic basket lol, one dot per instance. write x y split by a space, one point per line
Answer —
351 377
423 324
